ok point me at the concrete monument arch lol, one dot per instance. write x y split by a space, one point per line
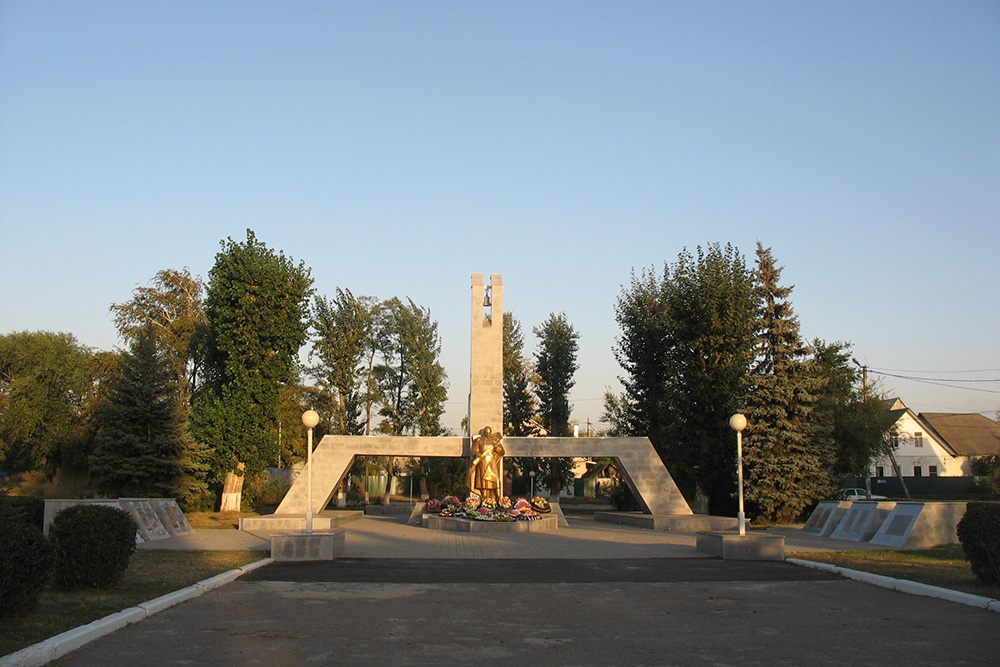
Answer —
635 457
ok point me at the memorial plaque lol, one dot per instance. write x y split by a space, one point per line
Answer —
896 530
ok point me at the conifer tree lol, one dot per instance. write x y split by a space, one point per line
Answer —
144 448
787 461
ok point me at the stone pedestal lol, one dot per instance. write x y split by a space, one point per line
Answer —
307 546
544 525
733 546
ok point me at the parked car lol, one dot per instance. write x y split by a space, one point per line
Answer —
856 494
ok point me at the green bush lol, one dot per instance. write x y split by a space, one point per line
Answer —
25 562
979 533
93 545
29 509
621 496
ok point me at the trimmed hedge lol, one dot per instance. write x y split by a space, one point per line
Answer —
93 546
979 533
25 563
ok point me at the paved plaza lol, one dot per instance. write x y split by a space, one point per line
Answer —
592 594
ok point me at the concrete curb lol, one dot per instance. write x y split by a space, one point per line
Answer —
56 647
904 586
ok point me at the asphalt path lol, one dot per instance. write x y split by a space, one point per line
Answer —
653 611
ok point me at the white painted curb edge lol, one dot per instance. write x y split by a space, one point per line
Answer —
69 641
904 586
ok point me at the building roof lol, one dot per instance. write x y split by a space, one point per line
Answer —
966 434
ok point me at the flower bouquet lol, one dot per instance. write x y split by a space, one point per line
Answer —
434 506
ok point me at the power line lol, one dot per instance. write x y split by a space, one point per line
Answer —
903 370
940 382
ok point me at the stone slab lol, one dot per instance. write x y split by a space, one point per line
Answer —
150 526
171 516
307 546
825 518
682 523
545 524
862 520
286 522
733 546
917 525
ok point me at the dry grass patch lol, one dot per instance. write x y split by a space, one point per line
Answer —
151 573
943 566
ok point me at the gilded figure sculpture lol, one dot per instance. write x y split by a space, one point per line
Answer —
486 467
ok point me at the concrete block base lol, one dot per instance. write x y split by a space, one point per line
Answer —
545 524
684 523
327 520
733 546
307 546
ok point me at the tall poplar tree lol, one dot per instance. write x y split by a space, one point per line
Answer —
518 402
343 328
257 308
555 364
786 452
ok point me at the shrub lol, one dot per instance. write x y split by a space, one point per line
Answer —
29 509
621 496
979 533
93 545
25 562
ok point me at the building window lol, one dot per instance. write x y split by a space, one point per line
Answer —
918 439
880 471
932 471
894 440
918 471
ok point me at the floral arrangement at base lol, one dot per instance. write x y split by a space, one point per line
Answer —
486 509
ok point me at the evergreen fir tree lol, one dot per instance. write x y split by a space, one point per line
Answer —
786 459
144 446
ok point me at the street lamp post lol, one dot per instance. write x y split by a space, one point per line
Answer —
738 422
532 476
309 419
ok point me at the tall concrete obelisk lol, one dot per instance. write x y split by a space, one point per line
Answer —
486 385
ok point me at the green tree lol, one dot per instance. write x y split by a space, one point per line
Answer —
173 304
686 346
257 307
410 379
856 412
343 331
518 402
144 447
787 458
45 380
555 364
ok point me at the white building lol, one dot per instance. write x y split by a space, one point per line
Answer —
937 444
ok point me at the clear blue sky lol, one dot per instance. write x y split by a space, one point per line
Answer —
398 147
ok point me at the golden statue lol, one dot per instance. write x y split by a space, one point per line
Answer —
486 469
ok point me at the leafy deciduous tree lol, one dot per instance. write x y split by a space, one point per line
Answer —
518 402
44 382
257 308
555 363
173 305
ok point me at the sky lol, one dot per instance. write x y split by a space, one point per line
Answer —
396 148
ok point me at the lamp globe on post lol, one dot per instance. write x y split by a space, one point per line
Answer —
738 422
309 419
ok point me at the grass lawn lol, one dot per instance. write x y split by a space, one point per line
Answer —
216 520
943 566
151 573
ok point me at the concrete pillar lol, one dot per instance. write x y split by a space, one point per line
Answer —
486 381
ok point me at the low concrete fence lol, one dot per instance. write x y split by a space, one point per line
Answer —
156 518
